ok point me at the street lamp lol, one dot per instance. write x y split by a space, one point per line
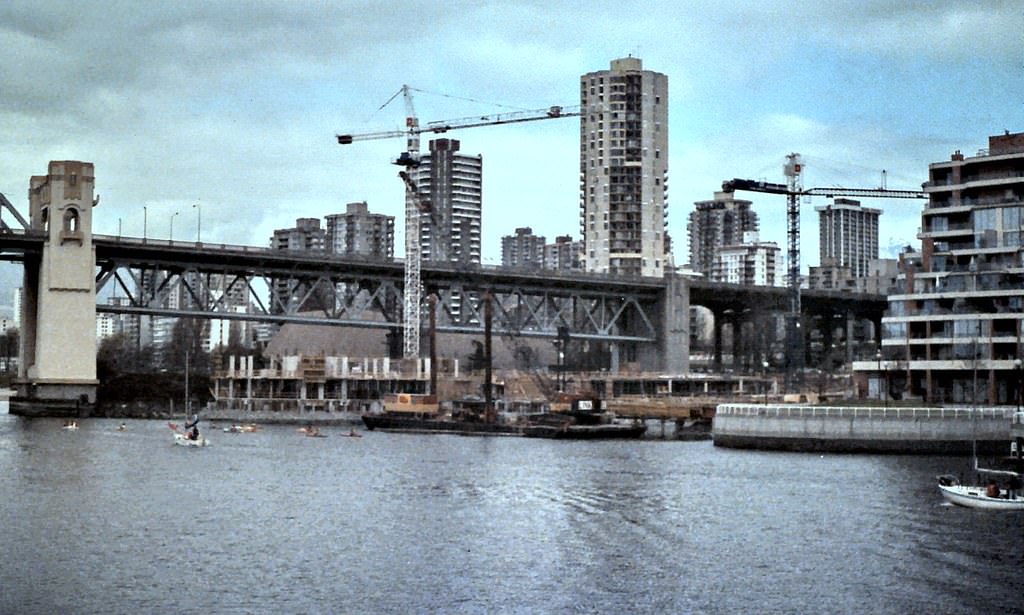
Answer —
878 357
1017 368
764 374
172 225
143 224
199 222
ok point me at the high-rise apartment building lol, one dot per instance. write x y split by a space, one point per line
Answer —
109 324
305 236
722 221
848 236
524 249
952 333
624 169
563 255
452 183
359 232
752 262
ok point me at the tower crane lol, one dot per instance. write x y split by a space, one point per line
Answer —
793 190
415 205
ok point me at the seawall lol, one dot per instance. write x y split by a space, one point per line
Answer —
862 430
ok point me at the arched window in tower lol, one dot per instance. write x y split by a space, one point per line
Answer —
71 221
44 215
70 229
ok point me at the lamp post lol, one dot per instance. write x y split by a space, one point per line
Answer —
878 357
561 370
143 224
172 226
1017 368
764 374
199 222
1019 443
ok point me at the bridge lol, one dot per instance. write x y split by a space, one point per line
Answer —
67 269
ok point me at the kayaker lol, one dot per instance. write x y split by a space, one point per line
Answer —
194 426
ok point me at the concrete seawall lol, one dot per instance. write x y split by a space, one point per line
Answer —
863 430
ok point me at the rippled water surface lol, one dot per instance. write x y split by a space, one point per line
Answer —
101 521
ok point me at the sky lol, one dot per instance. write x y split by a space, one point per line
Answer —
217 119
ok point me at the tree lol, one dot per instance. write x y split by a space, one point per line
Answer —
187 337
118 354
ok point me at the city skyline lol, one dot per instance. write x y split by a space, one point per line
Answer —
195 115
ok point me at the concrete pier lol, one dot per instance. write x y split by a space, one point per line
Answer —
863 430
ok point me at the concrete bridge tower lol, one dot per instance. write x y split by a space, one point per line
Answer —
57 372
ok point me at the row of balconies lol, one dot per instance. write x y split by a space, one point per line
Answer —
946 181
966 203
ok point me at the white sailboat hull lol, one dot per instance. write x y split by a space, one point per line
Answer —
973 496
183 440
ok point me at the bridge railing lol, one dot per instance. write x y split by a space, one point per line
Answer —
582 276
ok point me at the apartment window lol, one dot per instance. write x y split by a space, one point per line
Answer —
984 219
1011 217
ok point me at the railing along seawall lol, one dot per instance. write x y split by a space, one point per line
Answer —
862 429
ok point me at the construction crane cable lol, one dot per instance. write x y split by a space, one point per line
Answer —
415 207
472 100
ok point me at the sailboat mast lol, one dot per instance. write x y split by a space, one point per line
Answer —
488 386
188 396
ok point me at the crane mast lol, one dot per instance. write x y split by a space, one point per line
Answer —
793 190
410 159
412 286
794 339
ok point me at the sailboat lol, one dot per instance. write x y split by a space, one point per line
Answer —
186 438
988 496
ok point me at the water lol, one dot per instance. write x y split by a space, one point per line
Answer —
101 521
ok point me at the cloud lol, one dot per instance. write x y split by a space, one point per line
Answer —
235 104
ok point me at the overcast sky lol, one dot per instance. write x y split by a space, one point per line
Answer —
235 105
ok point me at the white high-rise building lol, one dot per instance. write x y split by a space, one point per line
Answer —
18 294
624 169
753 262
848 235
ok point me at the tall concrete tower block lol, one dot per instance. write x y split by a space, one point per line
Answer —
624 170
58 335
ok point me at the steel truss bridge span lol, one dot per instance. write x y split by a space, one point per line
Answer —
323 289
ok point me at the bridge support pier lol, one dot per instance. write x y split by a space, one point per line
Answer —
57 371
671 353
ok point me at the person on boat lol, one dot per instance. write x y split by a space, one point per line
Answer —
1013 487
122 427
992 490
194 426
